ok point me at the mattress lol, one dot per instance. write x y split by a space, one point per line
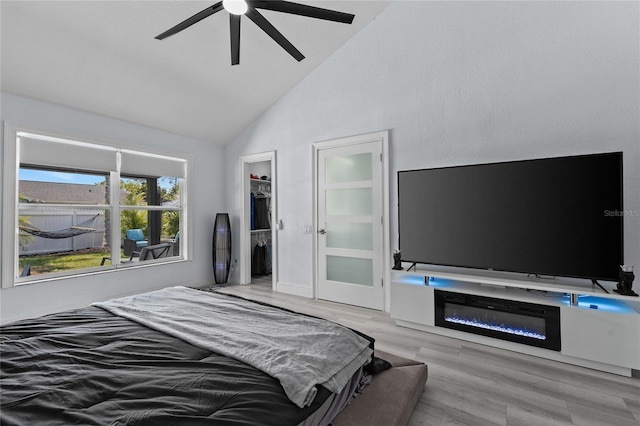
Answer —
91 367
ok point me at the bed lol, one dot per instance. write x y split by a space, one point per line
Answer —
186 356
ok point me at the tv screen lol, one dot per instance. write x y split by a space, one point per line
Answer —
550 217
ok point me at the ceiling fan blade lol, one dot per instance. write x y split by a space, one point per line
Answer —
190 21
276 35
234 25
304 10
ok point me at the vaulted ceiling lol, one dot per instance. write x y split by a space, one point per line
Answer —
101 57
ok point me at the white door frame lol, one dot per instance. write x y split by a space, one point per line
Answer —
245 217
386 212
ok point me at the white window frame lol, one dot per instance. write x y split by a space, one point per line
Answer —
11 207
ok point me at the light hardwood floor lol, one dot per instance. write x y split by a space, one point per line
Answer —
472 384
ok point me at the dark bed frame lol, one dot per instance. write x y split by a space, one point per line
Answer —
391 396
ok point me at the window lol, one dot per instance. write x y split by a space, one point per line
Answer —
84 207
152 205
61 219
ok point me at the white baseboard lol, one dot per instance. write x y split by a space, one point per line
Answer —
294 289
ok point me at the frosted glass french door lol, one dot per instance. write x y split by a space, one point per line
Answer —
350 228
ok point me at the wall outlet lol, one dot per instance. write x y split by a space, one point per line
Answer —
306 229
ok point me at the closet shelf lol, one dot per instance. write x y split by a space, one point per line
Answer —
258 181
260 231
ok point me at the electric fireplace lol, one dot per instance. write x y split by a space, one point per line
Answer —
520 322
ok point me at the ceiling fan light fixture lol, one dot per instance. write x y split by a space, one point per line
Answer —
235 7
249 8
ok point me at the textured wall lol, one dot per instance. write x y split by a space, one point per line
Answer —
459 83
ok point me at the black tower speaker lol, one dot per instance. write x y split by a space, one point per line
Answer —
221 248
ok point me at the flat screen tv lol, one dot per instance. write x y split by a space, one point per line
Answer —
549 217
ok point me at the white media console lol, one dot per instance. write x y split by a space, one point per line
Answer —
598 330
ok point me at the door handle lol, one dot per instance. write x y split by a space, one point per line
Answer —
322 231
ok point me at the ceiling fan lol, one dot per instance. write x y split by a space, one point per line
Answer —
249 8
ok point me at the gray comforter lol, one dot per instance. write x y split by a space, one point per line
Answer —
301 352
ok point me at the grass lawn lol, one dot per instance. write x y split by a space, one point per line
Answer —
58 262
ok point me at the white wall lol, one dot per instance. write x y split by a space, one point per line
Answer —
459 83
208 198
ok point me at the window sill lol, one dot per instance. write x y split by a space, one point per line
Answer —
37 279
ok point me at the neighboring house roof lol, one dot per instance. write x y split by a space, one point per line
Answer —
68 193
63 193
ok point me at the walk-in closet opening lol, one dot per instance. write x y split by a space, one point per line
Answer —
258 264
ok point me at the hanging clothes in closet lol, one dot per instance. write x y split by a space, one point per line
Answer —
261 213
252 209
261 220
261 259
260 208
267 257
259 262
